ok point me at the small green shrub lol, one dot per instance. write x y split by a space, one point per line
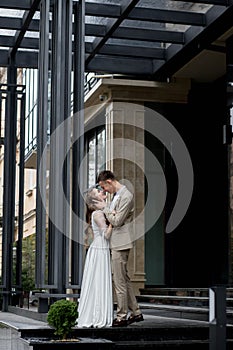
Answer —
62 316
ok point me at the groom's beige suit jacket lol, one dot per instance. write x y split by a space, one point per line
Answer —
122 233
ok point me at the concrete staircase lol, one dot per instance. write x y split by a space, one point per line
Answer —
173 318
150 335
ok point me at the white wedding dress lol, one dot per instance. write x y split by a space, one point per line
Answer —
95 306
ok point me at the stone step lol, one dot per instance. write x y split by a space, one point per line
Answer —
182 303
196 297
130 338
182 312
175 300
98 344
203 292
173 311
181 344
159 345
141 332
81 344
195 292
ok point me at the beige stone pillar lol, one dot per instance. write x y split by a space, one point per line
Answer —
125 157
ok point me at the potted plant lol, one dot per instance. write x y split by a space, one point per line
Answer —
62 316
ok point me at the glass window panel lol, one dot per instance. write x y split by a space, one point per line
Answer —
101 157
31 82
34 123
35 85
30 128
91 162
26 135
27 93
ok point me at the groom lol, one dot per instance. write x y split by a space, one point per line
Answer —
120 215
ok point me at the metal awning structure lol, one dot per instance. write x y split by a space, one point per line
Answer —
152 39
140 39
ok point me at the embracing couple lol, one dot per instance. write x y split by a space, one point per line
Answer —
111 231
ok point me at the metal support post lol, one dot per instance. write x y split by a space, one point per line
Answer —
78 145
217 318
9 183
42 127
59 141
21 196
55 239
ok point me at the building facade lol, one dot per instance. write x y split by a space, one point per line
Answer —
156 111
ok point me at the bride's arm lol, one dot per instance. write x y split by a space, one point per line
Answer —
100 221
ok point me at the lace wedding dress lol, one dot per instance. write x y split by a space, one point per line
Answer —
95 307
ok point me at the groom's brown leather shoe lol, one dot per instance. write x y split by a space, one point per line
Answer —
137 318
119 323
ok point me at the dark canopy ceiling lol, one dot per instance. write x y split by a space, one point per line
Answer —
144 38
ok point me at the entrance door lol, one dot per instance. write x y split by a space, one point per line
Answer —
154 238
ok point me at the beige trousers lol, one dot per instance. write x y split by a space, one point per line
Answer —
126 300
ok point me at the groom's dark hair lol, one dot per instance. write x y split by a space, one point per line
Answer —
105 175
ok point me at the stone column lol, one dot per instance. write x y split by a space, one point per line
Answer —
125 157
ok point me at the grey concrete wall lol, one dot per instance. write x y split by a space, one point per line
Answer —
10 340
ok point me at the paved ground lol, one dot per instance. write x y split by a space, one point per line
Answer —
161 331
20 322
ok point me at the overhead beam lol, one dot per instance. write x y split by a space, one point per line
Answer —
27 43
167 16
210 2
193 40
13 23
23 59
143 14
16 4
108 49
216 48
102 10
141 34
122 65
126 7
131 51
4 58
16 24
95 30
146 34
218 22
92 9
26 22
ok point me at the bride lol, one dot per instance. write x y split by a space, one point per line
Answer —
95 308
